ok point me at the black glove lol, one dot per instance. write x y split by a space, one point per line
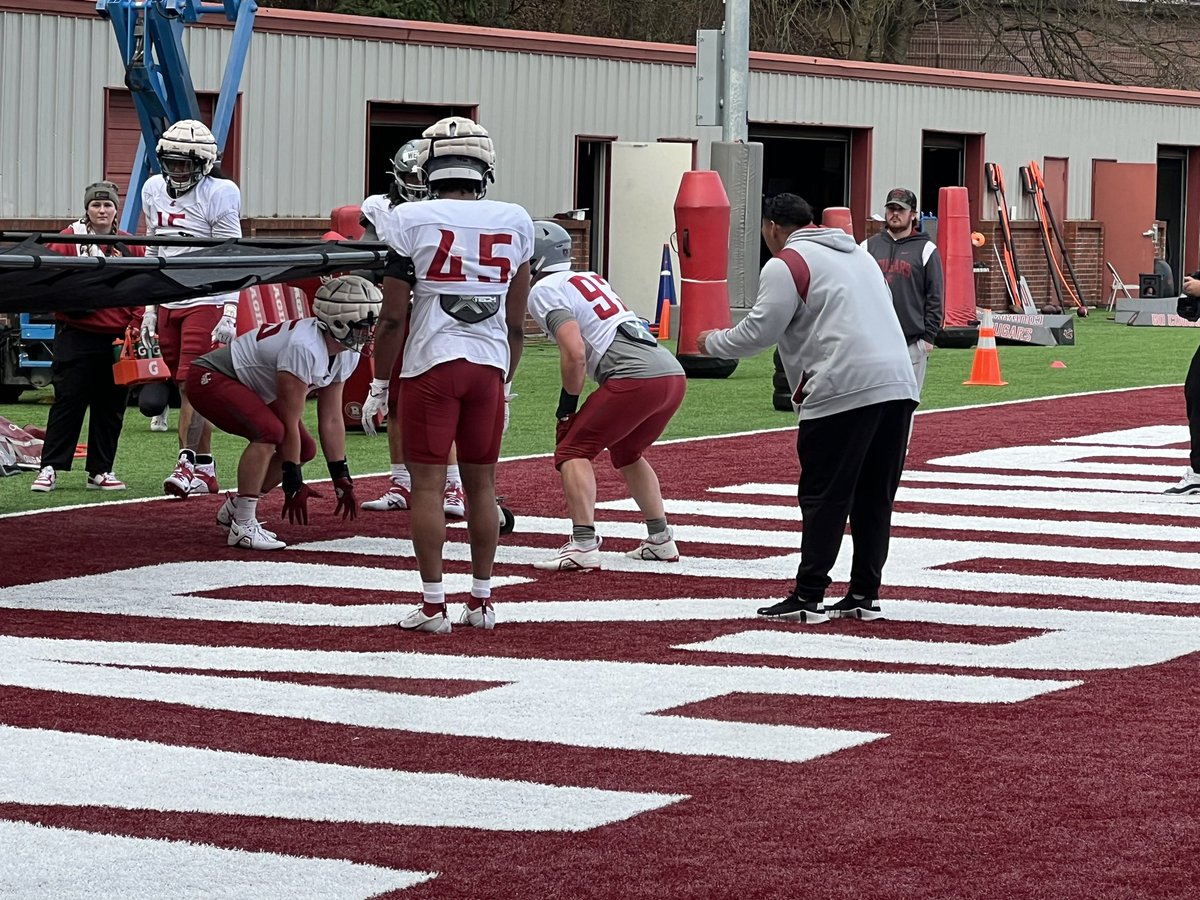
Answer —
295 494
343 489
567 404
1188 308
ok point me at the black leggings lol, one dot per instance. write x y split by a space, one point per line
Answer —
1191 395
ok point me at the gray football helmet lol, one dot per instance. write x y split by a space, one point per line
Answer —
405 165
551 249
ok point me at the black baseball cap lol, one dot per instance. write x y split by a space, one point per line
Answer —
901 197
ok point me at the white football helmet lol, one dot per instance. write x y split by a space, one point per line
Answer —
405 170
186 152
457 149
551 249
348 307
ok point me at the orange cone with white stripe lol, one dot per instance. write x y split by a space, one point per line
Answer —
986 368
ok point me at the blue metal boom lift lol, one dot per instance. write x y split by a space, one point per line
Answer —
150 38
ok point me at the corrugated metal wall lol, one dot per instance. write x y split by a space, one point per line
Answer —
305 100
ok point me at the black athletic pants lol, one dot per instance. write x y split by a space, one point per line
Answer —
850 465
1191 394
83 380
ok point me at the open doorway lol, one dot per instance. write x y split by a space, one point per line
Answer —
593 173
812 162
1170 204
951 160
390 126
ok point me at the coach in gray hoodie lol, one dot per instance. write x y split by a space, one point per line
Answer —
823 300
913 269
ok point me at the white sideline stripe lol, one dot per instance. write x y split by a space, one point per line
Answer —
1003 479
683 440
1098 502
152 591
79 865
57 768
1143 436
583 703
790 538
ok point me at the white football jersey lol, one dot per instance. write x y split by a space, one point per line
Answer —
465 253
212 208
375 207
296 347
590 300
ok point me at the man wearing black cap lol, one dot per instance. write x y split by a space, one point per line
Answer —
913 269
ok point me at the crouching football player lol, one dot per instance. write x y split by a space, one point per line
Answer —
256 388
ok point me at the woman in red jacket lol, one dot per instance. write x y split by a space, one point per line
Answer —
83 361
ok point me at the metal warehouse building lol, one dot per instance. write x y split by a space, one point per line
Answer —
593 124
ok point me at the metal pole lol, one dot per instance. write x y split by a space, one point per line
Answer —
737 70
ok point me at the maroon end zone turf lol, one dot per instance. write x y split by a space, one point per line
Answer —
1084 790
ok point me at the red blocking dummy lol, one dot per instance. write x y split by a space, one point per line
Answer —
958 256
702 236
838 217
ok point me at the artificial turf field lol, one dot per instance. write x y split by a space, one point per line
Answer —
178 719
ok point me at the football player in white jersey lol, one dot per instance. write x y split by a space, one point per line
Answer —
464 262
406 187
641 385
189 198
256 387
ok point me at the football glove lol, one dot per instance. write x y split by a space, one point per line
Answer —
226 329
376 403
295 494
343 489
149 324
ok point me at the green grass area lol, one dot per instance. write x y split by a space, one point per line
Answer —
1105 356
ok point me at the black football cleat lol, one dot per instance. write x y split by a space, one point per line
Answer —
795 609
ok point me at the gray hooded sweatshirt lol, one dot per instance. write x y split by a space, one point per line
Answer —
840 342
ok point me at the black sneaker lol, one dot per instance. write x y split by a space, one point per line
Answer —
795 609
850 608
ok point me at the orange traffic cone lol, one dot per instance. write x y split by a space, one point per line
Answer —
986 368
664 322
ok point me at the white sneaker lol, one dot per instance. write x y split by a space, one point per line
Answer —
418 621
1189 484
660 548
397 497
179 482
106 481
225 515
160 423
45 482
252 537
484 617
571 557
454 504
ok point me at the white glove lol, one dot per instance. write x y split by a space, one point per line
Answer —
149 324
376 402
226 329
508 396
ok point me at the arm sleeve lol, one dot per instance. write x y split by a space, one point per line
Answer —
775 307
934 293
556 319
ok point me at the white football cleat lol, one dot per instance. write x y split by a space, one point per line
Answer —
252 537
159 422
225 515
204 480
397 497
660 548
484 617
571 557
179 482
418 621
454 504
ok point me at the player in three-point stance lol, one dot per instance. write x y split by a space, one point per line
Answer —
641 385
256 388
464 263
